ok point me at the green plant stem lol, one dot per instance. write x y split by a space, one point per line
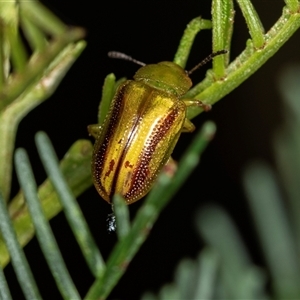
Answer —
9 22
222 14
2 59
274 230
287 144
35 68
208 264
250 60
41 90
19 261
121 211
43 230
293 5
108 92
185 279
71 208
34 35
253 22
241 279
76 168
228 30
4 290
188 38
19 55
42 17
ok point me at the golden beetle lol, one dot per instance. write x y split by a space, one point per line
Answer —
141 129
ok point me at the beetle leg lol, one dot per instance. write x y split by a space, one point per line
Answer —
188 126
195 102
94 130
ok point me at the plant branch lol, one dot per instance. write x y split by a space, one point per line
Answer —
249 61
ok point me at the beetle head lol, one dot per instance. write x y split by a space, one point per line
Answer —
166 76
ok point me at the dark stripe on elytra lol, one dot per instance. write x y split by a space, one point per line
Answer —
131 135
142 170
101 151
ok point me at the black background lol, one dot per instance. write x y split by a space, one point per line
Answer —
246 118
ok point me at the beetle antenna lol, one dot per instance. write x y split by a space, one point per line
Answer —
120 55
206 60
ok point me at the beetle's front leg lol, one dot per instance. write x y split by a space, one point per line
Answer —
195 102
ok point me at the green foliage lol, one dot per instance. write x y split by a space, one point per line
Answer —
222 270
27 80
226 266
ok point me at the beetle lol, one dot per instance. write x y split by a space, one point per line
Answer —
145 119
